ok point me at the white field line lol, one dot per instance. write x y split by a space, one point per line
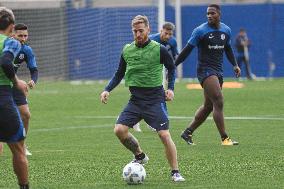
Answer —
186 118
114 117
70 128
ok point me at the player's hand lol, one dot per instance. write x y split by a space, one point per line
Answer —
22 86
169 95
31 84
104 97
237 71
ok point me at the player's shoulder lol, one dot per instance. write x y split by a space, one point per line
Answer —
225 28
201 27
154 36
27 48
9 41
128 45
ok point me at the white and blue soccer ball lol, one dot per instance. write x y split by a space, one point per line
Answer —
134 173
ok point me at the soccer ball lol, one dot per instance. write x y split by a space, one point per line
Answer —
134 173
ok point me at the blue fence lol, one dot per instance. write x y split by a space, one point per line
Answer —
96 36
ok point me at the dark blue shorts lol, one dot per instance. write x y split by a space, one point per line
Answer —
155 115
19 97
203 73
11 126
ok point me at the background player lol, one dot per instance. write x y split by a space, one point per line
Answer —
11 127
242 44
141 65
212 39
26 55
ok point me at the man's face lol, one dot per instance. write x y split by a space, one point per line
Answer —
21 35
213 15
140 33
166 35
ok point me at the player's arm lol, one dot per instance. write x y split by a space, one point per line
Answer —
6 62
231 57
184 54
31 64
117 77
168 62
174 49
192 42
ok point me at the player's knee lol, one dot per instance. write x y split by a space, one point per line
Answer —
119 130
164 135
26 115
208 108
219 103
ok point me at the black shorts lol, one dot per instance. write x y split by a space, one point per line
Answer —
203 73
19 97
11 126
155 115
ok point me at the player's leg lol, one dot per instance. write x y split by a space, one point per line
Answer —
156 115
200 116
248 69
22 103
128 117
13 133
170 148
20 162
213 89
25 115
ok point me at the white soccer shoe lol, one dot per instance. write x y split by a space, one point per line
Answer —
142 161
27 152
137 128
177 177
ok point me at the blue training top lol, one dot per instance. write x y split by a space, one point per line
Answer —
211 43
26 55
171 44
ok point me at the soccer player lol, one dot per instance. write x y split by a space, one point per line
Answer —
11 127
242 44
141 65
26 55
212 38
165 37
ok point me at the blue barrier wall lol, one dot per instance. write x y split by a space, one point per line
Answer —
96 36
265 27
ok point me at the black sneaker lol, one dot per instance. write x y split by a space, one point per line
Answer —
187 138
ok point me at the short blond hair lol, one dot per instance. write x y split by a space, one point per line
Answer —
140 19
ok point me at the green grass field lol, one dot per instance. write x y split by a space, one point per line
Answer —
73 145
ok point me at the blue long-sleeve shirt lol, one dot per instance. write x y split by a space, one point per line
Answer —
26 55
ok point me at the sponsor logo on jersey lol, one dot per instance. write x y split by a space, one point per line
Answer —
216 47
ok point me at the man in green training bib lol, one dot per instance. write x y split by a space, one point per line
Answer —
141 65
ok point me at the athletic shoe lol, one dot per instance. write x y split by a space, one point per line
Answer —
229 142
27 152
136 127
141 161
187 138
177 177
